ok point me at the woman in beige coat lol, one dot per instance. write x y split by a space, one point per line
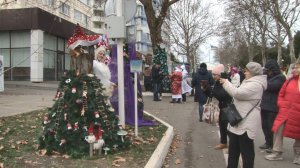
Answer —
245 97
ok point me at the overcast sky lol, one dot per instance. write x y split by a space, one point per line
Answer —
206 53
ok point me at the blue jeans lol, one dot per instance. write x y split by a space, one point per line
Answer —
156 89
267 120
201 110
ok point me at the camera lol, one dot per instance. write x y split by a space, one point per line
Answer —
224 75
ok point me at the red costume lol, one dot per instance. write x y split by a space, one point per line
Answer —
176 78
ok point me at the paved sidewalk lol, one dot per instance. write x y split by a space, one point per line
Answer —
24 96
195 148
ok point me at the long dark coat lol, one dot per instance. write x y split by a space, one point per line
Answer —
203 79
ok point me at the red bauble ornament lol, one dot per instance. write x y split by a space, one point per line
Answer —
96 113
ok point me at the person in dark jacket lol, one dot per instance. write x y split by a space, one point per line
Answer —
224 99
269 109
201 82
156 80
147 79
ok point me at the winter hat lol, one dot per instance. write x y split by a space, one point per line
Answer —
203 65
254 68
234 69
272 65
218 69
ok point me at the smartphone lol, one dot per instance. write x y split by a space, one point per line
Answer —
224 75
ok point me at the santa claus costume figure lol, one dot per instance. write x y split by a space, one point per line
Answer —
176 79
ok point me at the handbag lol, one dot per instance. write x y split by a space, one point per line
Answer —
211 111
232 114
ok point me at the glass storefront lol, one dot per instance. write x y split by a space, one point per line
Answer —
15 47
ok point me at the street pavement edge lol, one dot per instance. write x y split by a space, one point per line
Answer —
157 158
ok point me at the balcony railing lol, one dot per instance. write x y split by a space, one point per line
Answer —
98 7
99 30
97 19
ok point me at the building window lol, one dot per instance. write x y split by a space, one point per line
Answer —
49 3
138 22
64 9
5 39
80 17
20 57
148 37
144 22
6 56
139 11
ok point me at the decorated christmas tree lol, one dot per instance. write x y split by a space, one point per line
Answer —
81 116
82 121
160 55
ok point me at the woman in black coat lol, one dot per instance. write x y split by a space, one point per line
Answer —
224 99
269 109
202 82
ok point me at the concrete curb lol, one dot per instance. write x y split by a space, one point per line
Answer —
157 158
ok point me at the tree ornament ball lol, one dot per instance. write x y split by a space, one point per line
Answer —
78 101
74 90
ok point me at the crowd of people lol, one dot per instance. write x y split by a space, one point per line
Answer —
265 98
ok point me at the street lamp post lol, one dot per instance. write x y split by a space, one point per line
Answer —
120 62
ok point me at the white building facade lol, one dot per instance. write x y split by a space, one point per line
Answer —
33 39
34 34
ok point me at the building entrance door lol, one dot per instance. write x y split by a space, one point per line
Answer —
59 65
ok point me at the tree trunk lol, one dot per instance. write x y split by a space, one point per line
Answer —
279 56
281 19
250 51
263 47
292 48
279 49
155 22
155 34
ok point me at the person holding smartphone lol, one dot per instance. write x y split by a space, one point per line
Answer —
224 99
245 98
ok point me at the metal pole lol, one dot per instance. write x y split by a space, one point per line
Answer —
136 105
120 62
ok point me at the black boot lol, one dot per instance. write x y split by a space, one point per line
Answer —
183 97
200 118
173 101
178 100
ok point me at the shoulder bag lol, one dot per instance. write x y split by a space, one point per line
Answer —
233 115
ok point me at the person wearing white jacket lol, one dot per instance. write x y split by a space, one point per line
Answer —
245 97
185 87
235 76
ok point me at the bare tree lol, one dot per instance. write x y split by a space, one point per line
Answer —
156 12
241 21
257 10
190 25
286 12
233 47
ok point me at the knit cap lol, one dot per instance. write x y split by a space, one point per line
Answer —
218 69
254 68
